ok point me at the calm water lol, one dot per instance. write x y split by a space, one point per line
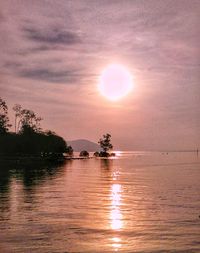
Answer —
138 202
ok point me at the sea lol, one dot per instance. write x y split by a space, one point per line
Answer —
144 202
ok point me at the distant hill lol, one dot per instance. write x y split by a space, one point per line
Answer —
81 144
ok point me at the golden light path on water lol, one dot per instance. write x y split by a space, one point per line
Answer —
116 219
116 216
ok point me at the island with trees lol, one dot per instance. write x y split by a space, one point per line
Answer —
29 141
106 147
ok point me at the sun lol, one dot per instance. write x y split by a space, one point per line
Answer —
115 82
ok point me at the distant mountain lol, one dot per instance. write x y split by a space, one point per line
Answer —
81 144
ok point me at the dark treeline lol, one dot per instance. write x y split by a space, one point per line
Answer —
28 138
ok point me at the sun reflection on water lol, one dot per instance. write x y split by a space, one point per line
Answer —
116 243
115 214
116 220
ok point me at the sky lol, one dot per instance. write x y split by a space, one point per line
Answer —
53 53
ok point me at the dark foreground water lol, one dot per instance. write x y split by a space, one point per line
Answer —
139 202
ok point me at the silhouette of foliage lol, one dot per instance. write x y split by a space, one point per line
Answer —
105 143
29 139
4 120
30 142
84 153
96 154
26 118
69 151
17 109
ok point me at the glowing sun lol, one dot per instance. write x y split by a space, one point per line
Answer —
115 82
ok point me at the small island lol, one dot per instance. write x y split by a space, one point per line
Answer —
106 146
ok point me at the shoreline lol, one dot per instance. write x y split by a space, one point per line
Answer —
37 158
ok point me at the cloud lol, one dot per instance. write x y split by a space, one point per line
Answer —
48 75
67 76
52 36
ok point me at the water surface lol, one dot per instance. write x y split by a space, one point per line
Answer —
137 202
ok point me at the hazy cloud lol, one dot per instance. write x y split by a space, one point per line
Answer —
47 75
52 36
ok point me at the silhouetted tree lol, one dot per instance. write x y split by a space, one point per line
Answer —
84 153
28 119
105 143
96 154
69 151
17 109
4 120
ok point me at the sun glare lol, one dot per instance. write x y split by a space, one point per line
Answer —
115 82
